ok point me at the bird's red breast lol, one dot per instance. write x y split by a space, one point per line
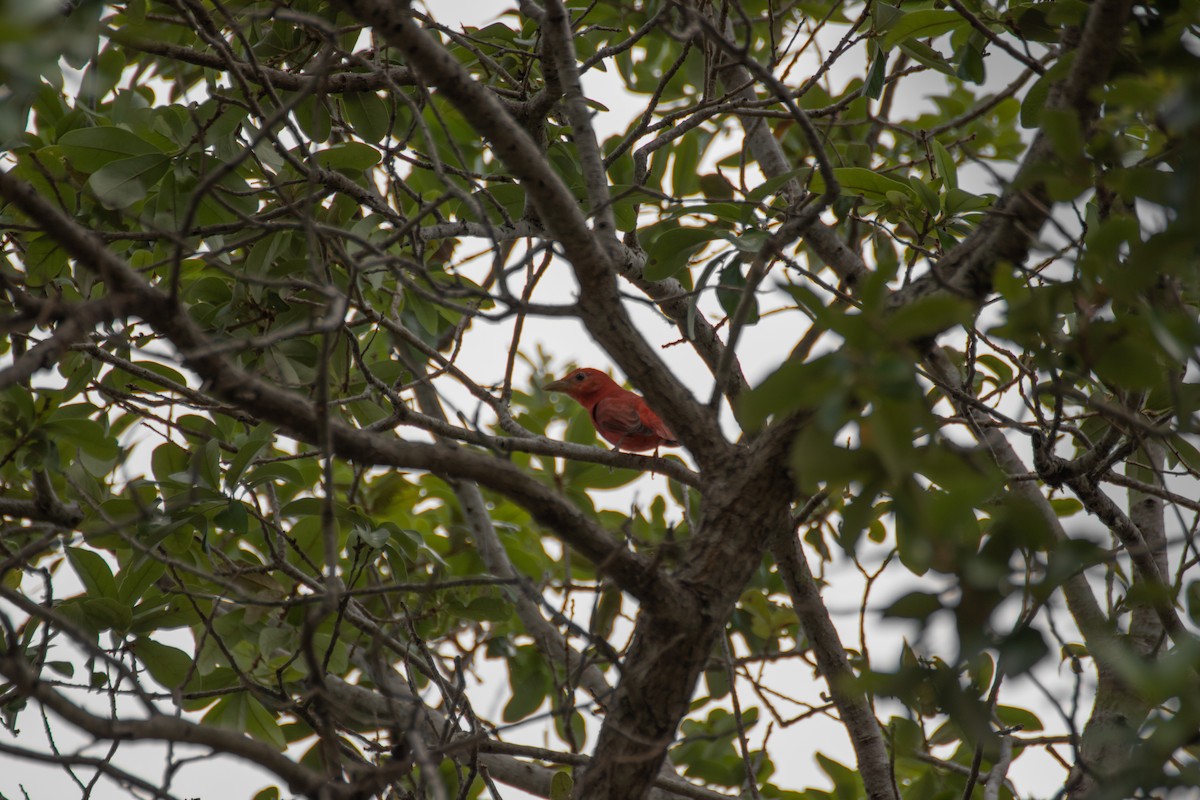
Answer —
620 416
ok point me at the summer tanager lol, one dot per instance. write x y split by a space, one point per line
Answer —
620 416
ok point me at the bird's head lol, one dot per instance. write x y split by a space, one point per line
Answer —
581 383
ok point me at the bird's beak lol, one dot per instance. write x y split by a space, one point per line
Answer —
556 386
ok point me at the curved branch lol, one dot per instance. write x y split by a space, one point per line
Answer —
495 558
1007 233
162 728
845 263
334 83
79 320
101 765
602 311
874 762
556 27
299 417
55 512
364 706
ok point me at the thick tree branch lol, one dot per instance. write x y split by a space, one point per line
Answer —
362 706
1007 233
162 728
556 27
1143 556
874 761
333 83
601 309
742 504
78 322
298 416
45 505
492 552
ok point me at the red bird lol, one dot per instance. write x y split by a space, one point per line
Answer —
620 416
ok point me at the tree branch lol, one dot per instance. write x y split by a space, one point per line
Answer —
874 762
162 728
298 416
556 27
602 312
1007 232
333 83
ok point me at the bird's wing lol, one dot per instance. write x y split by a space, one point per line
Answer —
619 415
652 421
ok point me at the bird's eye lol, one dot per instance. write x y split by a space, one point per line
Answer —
579 376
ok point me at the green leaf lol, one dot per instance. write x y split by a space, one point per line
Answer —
914 605
103 74
1012 717
313 118
104 613
794 385
928 196
731 288
64 668
670 251
606 611
1035 97
598 476
367 114
847 782
374 538
45 260
526 698
1021 650
927 316
93 571
120 184
971 66
487 609
946 168
749 242
354 156
773 185
884 16
241 712
529 681
1192 595
929 57
1062 128
922 25
906 736
716 186
259 438
685 178
958 201
997 366
1035 101
97 614
1124 353
1066 506
139 576
262 725
89 149
877 75
865 182
168 665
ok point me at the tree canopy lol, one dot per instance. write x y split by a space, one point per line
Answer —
915 284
